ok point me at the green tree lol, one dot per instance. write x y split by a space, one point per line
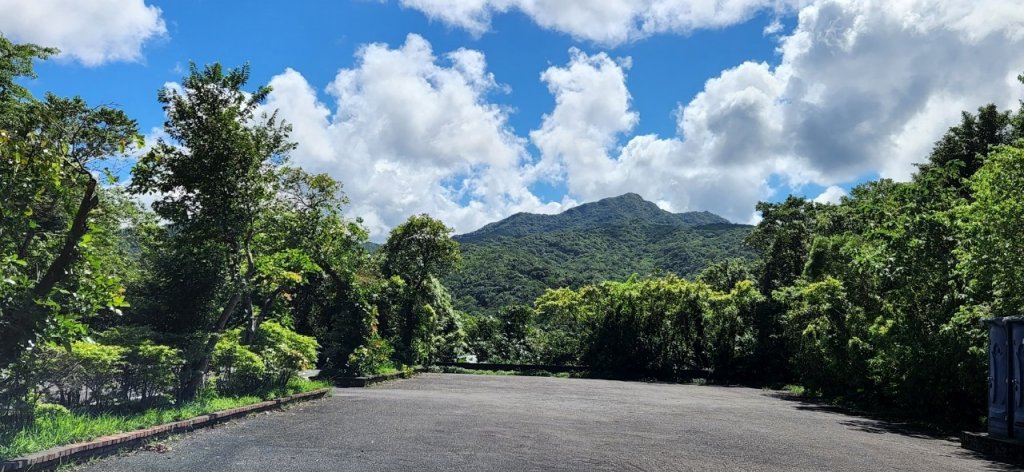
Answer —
217 180
49 150
993 253
725 274
417 252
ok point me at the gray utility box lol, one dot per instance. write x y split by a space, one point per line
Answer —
1006 376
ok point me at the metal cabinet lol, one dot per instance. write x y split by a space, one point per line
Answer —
1006 376
1015 327
1000 408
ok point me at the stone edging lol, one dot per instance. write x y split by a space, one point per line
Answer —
1001 449
554 369
110 444
348 382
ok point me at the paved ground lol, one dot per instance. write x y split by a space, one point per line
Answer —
483 423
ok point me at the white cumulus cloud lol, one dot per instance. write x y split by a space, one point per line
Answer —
832 195
861 88
93 32
609 22
412 132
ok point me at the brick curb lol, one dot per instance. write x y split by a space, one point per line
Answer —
106 445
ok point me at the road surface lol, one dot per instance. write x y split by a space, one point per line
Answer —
450 422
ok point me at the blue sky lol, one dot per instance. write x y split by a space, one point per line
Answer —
318 38
693 107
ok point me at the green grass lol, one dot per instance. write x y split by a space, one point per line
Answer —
53 431
795 389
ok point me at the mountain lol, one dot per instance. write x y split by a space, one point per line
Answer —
608 212
514 260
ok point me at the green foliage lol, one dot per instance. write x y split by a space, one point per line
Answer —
831 337
416 253
723 275
247 233
993 232
235 367
51 410
372 358
54 269
880 296
509 337
284 351
350 321
275 355
664 327
151 370
566 322
17 63
419 249
86 374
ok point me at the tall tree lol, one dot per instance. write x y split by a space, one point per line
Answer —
50 151
217 178
417 251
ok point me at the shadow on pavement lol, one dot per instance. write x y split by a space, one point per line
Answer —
868 423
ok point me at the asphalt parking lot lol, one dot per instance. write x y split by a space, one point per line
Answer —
451 422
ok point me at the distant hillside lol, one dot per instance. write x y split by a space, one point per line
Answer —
608 212
514 260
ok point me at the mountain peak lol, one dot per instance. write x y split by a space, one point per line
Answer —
625 208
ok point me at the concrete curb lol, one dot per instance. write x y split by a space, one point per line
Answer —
1001 449
106 445
554 369
358 382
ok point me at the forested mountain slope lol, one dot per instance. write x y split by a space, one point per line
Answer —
514 260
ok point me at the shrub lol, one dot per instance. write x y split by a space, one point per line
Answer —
101 366
283 351
237 369
87 374
50 410
371 358
151 370
275 355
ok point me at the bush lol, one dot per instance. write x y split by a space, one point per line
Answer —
275 355
19 391
151 370
284 352
374 357
236 368
50 410
87 374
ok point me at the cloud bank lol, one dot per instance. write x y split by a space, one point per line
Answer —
607 22
92 32
862 87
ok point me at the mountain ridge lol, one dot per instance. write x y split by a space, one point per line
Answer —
514 260
612 210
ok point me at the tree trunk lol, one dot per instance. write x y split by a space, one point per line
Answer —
197 370
26 318
202 365
256 321
26 242
250 319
